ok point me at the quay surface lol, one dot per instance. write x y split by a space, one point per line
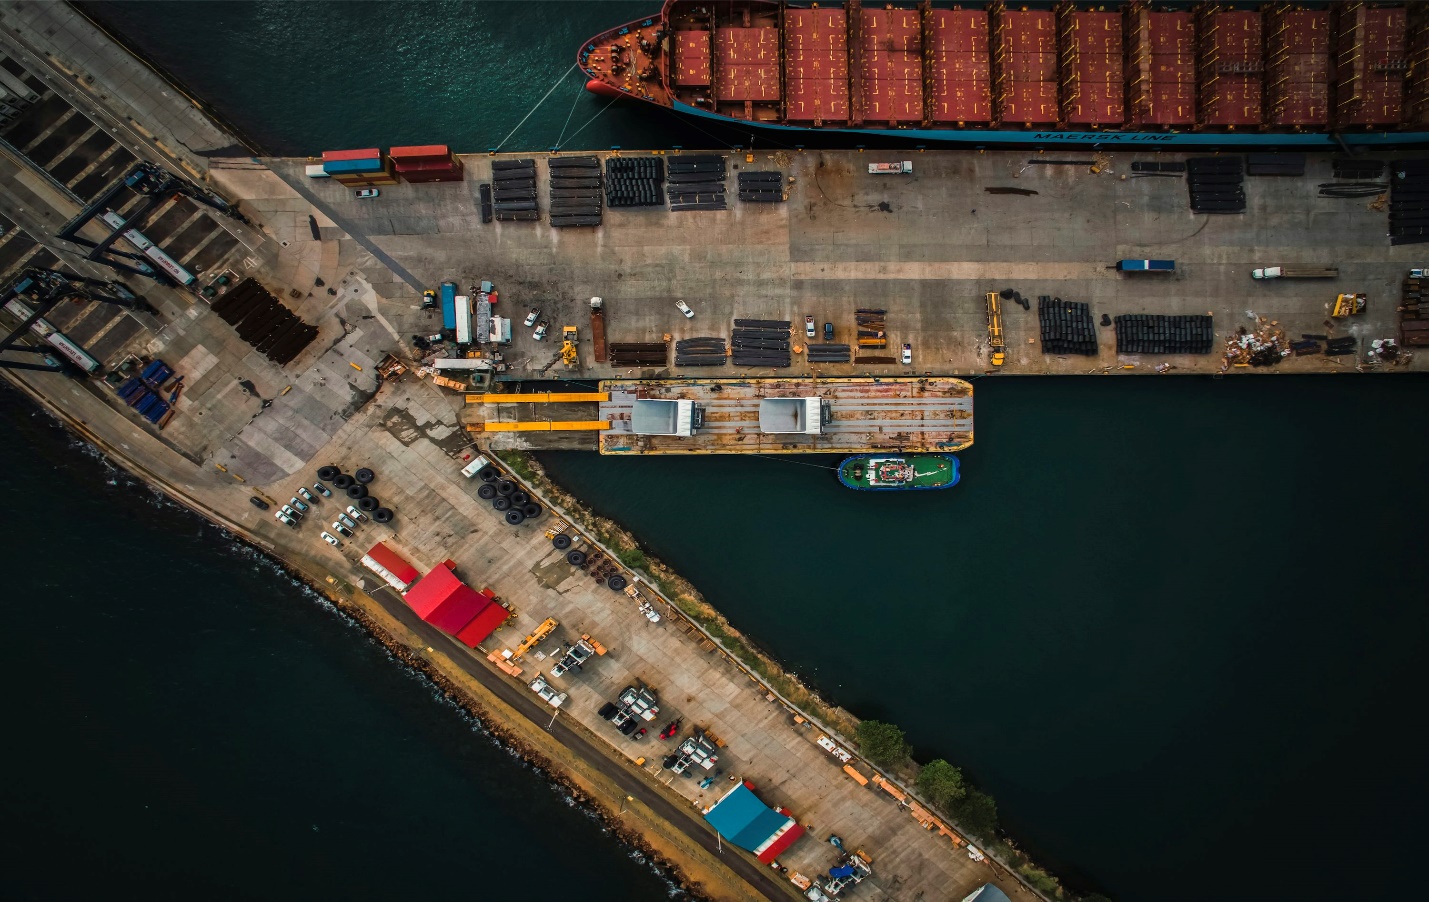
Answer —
247 427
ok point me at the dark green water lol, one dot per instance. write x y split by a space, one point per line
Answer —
1175 626
185 721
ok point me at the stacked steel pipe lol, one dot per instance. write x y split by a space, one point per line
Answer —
267 325
761 342
575 191
700 352
696 182
513 190
1215 184
761 187
1409 202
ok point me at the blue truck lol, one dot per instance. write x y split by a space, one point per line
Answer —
1146 266
448 305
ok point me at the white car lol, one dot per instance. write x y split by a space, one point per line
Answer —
907 355
356 514
367 192
298 505
331 541
307 496
540 332
285 519
531 317
289 511
341 530
685 309
809 327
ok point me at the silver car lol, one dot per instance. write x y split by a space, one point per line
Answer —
343 519
297 505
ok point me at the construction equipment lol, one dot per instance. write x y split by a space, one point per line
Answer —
1348 305
541 632
569 355
597 328
995 342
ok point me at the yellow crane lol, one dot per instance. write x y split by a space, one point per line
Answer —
541 632
1348 305
995 342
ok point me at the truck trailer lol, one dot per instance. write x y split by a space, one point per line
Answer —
1295 272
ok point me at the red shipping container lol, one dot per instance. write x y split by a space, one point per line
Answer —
370 153
420 152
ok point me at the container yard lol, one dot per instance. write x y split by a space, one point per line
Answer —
1280 74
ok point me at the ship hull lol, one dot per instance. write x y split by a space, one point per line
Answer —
853 473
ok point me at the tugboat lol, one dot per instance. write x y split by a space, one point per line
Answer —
893 472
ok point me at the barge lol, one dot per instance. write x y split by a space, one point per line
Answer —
1206 74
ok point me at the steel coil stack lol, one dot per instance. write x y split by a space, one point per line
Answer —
1067 326
696 182
1409 202
513 190
700 352
634 181
575 191
761 187
1148 333
1216 184
761 342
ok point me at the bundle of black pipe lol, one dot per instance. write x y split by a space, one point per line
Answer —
575 191
761 187
1409 202
487 212
638 353
513 189
700 352
761 343
1215 184
696 182
1067 326
633 181
272 329
1339 347
830 353
1146 333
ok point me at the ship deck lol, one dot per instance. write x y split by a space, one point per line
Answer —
867 414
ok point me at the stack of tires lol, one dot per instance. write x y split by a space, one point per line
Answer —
355 487
506 497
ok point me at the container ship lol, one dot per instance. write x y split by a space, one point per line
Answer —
1274 74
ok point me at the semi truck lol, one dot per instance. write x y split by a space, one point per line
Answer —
597 329
890 168
1295 272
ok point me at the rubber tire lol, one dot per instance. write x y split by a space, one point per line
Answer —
368 505
486 492
329 472
617 582
382 515
561 541
501 503
505 487
532 510
515 517
575 558
487 474
357 492
364 476
342 481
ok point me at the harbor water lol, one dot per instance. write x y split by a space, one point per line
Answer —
1172 625
186 720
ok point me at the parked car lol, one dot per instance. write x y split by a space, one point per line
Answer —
282 517
540 332
356 514
809 326
685 309
907 355
341 530
533 316
331 541
322 490
287 511
307 495
345 521
828 331
258 502
429 300
298 505
367 192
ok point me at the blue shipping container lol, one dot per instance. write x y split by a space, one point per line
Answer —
1146 266
349 167
448 305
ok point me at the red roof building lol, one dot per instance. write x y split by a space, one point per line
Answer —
389 565
454 607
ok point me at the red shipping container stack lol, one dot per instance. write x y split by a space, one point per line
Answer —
426 163
1161 67
960 63
1025 66
1091 68
1297 67
1231 67
1371 66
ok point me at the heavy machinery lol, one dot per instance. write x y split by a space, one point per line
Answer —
541 632
1348 305
995 342
597 329
569 355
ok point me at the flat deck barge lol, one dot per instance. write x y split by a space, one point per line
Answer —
857 415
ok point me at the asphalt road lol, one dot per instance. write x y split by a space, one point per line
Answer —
763 879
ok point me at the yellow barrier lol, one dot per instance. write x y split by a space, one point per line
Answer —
535 426
545 397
